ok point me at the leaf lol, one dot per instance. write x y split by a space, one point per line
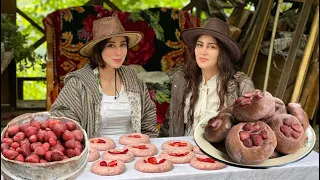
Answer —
162 97
158 31
135 16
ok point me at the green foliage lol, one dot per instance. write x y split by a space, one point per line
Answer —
14 40
154 22
34 90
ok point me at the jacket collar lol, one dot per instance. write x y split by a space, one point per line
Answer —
128 77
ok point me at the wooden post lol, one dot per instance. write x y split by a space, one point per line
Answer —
313 98
313 37
8 77
49 61
249 31
254 47
293 49
273 35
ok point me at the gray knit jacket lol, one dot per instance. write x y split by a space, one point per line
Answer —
80 100
173 123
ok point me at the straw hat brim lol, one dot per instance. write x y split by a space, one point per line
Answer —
134 38
189 36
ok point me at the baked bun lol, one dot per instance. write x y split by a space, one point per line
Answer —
142 149
93 155
197 150
217 127
289 132
177 156
102 143
250 143
153 165
280 106
108 167
134 138
177 144
253 106
123 155
205 163
296 110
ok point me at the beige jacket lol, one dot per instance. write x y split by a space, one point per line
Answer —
173 124
80 100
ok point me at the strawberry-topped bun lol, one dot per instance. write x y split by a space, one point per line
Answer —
177 144
123 155
108 167
142 149
134 138
153 165
178 156
102 143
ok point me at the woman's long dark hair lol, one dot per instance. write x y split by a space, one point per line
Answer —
193 75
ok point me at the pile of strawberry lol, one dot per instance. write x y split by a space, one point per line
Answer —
42 142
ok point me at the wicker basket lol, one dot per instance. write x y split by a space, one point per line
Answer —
65 169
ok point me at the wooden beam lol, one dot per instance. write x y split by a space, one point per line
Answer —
88 3
302 1
249 31
293 50
313 98
198 8
254 46
49 61
313 37
30 20
273 36
189 6
39 42
111 5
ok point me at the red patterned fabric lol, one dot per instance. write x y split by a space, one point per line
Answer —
161 49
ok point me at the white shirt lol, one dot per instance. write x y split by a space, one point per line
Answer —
206 106
115 115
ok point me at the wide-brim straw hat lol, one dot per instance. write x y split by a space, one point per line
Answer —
109 27
217 28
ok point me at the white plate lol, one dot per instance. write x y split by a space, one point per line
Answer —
213 152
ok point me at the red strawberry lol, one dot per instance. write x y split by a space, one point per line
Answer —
162 161
134 136
182 144
174 143
113 163
101 141
152 160
114 152
103 163
297 128
209 160
179 154
118 152
140 147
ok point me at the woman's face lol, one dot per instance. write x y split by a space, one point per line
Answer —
207 52
115 52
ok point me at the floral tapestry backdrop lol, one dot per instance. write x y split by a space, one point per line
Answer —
161 48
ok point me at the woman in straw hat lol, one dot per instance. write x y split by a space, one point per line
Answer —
209 82
105 97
